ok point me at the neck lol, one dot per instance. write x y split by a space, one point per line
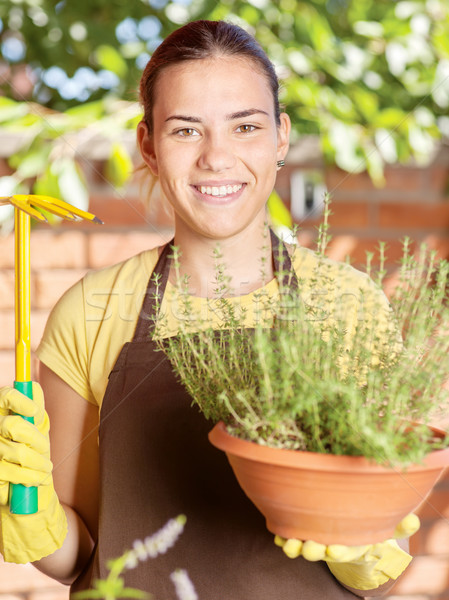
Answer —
245 259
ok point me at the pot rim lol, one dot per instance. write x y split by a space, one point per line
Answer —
220 438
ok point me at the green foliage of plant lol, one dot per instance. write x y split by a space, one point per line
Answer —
298 384
48 157
369 76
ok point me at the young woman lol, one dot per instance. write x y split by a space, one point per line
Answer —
129 451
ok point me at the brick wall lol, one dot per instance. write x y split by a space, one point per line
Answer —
414 202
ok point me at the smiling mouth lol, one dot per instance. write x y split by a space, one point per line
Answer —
219 191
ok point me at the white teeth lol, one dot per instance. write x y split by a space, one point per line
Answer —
221 191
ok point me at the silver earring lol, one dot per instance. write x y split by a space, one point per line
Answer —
280 163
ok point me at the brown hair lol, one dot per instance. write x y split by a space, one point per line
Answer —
199 40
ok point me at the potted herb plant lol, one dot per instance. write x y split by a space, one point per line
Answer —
324 436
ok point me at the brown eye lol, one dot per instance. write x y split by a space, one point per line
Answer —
186 132
246 128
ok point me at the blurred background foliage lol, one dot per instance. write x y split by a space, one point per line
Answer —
371 77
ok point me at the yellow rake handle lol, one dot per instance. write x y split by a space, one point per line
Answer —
23 500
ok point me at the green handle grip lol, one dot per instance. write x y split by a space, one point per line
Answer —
23 499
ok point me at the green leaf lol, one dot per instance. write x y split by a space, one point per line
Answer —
250 14
23 122
279 213
47 184
367 103
119 165
10 110
440 40
88 111
375 166
71 183
310 23
109 58
390 118
31 163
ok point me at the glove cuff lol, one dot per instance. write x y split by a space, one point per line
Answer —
374 571
28 538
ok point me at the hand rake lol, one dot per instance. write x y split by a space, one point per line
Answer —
23 500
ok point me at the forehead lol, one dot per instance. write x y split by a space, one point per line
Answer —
213 85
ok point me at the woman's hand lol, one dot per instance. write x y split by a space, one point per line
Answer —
25 459
359 567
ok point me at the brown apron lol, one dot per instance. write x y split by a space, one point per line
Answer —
156 462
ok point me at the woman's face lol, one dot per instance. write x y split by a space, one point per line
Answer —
215 145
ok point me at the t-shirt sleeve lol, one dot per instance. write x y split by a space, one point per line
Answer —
63 347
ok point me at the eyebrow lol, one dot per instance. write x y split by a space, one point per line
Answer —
241 114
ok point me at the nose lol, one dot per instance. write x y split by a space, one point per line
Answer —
216 154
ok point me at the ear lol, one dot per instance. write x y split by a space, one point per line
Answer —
283 136
145 142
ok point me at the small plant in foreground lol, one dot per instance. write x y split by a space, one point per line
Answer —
298 380
113 587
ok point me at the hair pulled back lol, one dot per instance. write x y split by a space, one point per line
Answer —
200 40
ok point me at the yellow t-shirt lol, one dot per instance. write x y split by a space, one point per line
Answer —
89 325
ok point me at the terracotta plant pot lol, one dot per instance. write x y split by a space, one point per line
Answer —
326 498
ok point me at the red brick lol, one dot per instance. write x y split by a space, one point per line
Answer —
7 328
50 284
338 180
414 215
58 248
7 288
425 575
438 178
7 252
50 247
123 211
360 246
438 243
109 248
349 214
6 368
405 179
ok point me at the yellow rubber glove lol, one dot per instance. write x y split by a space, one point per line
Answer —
25 459
360 567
